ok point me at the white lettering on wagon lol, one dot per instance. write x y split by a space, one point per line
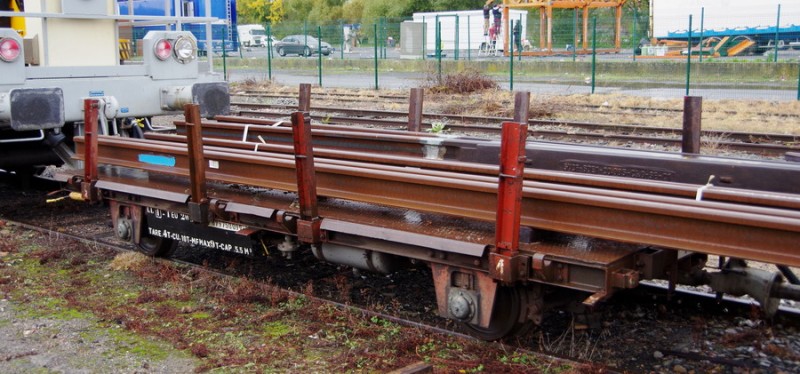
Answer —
160 214
209 243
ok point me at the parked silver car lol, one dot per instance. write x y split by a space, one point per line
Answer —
303 45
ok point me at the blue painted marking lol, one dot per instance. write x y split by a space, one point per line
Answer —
124 110
96 93
157 160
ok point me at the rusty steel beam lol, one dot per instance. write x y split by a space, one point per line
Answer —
710 193
762 234
401 143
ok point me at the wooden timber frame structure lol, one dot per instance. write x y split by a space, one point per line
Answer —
546 22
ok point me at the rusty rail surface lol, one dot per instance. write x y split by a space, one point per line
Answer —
758 233
663 166
758 143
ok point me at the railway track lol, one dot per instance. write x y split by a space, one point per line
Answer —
604 330
590 108
760 144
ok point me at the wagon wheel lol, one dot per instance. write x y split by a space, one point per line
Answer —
154 246
508 308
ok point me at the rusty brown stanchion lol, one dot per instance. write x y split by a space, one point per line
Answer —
198 206
91 108
522 104
505 264
304 104
692 115
308 227
415 109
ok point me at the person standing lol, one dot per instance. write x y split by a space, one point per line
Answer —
487 9
497 13
518 35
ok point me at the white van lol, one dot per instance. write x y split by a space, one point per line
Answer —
252 35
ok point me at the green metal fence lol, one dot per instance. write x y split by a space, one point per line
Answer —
579 62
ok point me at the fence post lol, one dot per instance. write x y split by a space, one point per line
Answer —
777 27
519 39
692 115
224 53
575 36
424 37
633 36
305 35
269 52
375 26
319 54
344 39
456 44
702 21
798 79
511 61
469 41
689 56
594 50
439 47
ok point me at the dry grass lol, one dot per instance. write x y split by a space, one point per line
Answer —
470 93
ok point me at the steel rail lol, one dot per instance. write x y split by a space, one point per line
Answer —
711 193
761 234
743 137
771 150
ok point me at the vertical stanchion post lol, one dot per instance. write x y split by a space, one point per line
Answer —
702 25
269 52
777 29
91 114
692 117
689 57
304 98
305 36
505 263
594 51
634 41
522 105
415 109
308 226
198 204
319 54
798 81
375 29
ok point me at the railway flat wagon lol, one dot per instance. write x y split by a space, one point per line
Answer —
505 239
55 54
